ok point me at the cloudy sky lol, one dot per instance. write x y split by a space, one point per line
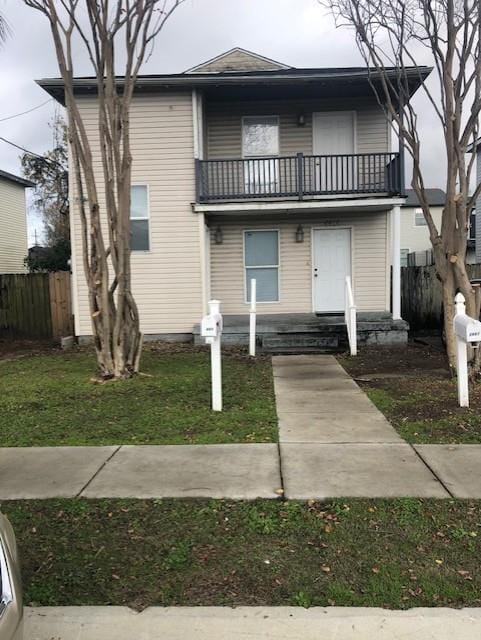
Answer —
296 32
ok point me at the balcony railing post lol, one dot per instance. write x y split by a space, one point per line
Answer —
300 176
198 181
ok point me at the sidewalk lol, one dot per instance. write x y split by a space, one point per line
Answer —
333 443
254 623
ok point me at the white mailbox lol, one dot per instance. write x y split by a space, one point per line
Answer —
467 328
211 325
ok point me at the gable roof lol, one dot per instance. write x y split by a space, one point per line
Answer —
11 178
436 198
237 60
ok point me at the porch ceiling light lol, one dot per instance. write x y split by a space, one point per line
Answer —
300 234
218 237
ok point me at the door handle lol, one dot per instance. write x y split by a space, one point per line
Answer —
315 272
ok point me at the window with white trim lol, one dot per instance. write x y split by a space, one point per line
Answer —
139 218
419 219
404 257
260 141
261 261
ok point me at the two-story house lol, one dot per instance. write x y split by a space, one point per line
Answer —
13 223
245 168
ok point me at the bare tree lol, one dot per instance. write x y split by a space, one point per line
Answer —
393 33
107 30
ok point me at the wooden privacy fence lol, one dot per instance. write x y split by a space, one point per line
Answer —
422 295
36 305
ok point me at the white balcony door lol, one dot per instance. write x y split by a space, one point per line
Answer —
331 265
332 135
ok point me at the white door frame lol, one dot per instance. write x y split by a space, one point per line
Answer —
349 228
353 115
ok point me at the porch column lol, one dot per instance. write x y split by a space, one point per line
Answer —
396 261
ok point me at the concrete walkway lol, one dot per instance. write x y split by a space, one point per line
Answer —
335 443
253 623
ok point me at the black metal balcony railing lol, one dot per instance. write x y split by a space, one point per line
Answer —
298 176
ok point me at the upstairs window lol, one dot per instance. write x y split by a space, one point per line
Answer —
139 218
419 219
260 136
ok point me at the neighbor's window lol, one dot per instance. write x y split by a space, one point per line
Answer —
260 136
404 257
261 259
139 218
419 219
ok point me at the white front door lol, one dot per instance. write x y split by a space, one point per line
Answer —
331 265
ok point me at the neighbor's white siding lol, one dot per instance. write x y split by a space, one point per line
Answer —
167 279
13 227
478 206
413 237
224 125
369 258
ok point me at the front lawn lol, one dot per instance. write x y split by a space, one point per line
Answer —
389 553
414 389
53 399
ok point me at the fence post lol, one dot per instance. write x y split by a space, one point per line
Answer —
252 319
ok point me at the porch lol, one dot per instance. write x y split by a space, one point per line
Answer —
308 332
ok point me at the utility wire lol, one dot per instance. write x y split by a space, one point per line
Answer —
16 115
31 153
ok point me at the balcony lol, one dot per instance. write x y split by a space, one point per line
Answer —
298 177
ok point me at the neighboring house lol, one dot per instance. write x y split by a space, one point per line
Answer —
476 236
414 229
13 223
416 247
246 168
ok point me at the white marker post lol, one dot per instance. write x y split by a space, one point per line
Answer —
252 319
461 353
211 330
466 330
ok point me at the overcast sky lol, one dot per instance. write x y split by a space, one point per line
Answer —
296 32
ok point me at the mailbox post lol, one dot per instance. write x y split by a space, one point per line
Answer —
466 330
211 330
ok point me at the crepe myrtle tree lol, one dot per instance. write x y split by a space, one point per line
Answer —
116 36
396 33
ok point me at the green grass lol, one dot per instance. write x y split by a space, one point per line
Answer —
52 399
389 553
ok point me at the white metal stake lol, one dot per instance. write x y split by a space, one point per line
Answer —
252 319
215 362
461 356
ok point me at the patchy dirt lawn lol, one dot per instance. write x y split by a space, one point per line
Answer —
414 389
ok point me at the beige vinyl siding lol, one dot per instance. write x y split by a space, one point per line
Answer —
369 259
167 278
416 238
13 227
224 125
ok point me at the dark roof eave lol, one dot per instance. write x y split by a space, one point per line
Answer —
17 179
54 86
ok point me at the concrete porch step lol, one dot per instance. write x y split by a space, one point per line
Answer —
299 343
